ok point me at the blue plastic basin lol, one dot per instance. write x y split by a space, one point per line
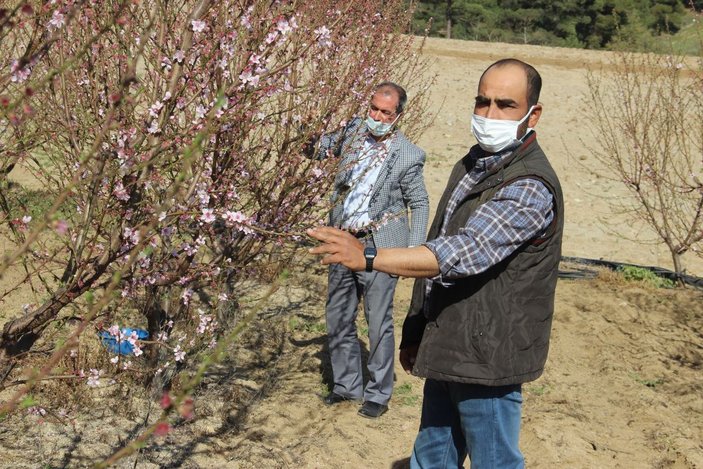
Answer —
122 347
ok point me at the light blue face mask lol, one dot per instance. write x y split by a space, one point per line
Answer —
379 129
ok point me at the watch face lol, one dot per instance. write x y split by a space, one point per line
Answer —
370 253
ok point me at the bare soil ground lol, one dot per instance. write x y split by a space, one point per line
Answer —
623 387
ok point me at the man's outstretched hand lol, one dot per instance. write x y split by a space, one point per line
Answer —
338 247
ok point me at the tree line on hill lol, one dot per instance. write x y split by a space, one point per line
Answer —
592 24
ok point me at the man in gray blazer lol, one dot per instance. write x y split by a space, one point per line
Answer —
379 195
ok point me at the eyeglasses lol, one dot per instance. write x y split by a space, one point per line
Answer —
389 114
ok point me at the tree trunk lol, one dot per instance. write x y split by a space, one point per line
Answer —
18 335
449 19
678 267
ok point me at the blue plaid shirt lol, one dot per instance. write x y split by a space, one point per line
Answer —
517 213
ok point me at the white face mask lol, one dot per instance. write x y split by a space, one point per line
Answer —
494 135
377 128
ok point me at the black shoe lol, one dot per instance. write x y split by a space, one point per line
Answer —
334 398
372 410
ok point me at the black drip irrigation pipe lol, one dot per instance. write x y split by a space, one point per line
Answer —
588 274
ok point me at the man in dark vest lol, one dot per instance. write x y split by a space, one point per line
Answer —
480 318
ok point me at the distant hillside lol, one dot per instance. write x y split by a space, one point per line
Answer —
641 25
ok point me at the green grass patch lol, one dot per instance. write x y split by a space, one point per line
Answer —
537 389
640 274
295 324
649 382
404 394
405 388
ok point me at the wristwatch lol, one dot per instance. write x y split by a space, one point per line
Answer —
370 255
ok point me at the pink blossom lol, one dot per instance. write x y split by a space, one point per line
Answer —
198 26
178 354
153 128
94 378
132 338
208 215
187 294
246 21
155 108
179 56
271 37
115 359
189 249
120 192
19 74
200 112
221 111
323 36
283 26
162 429
61 227
114 330
36 410
203 196
57 20
166 64
131 234
206 322
232 218
248 78
186 409
165 401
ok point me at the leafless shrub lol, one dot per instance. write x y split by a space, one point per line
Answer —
646 117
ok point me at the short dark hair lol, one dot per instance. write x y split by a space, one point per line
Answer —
402 95
534 80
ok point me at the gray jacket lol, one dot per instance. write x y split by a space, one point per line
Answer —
399 189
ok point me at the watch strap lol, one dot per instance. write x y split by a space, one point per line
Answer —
370 255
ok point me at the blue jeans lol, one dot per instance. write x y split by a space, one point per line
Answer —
460 419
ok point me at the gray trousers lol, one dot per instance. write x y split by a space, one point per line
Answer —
345 288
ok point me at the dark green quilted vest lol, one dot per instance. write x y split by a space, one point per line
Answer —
492 328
